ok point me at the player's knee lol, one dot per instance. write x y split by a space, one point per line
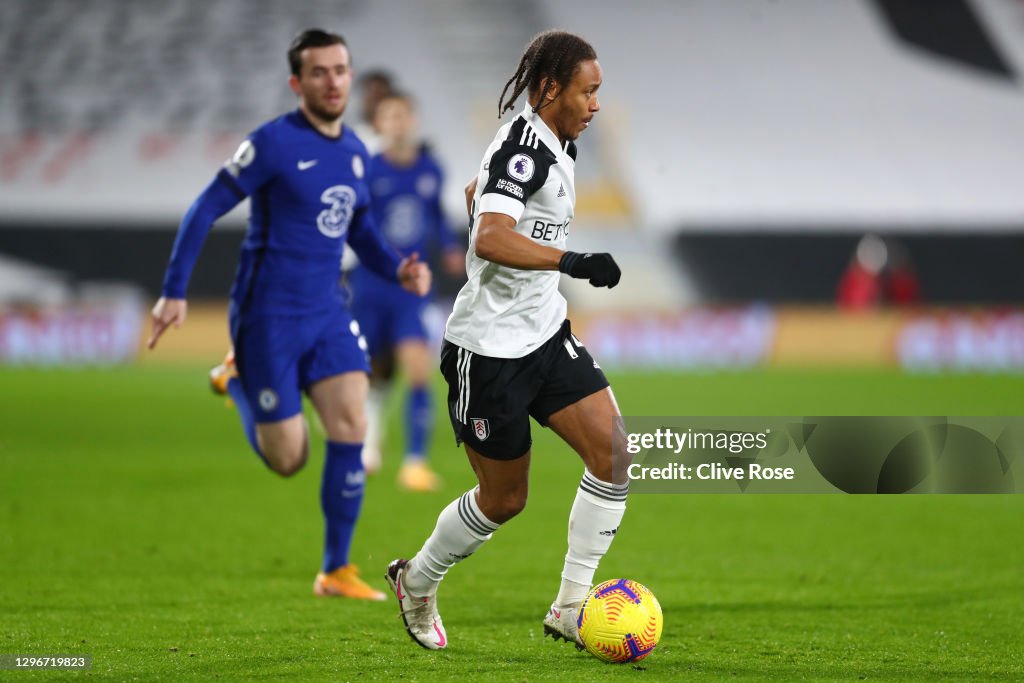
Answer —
601 467
288 460
501 508
598 456
288 465
418 374
348 427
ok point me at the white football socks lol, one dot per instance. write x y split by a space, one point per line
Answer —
461 529
593 523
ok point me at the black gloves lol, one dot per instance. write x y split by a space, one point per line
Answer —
600 269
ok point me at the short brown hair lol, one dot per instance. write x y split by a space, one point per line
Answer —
313 37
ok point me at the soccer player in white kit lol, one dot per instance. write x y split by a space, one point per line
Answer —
509 352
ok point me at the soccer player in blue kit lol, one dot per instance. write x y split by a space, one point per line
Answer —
405 185
306 176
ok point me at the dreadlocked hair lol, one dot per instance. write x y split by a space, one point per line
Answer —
551 57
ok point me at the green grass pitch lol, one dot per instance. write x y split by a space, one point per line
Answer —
136 527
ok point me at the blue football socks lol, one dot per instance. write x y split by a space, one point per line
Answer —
418 420
237 394
341 495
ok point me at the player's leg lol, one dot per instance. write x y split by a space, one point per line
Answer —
335 375
372 314
339 402
265 390
382 370
587 426
283 445
224 381
462 527
471 518
414 359
597 510
579 406
486 405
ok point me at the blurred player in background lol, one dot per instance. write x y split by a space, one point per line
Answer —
509 352
405 184
306 175
879 274
372 87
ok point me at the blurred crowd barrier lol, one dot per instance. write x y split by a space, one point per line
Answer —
83 332
920 340
986 340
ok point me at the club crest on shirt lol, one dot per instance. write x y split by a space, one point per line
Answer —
481 428
357 166
268 400
520 167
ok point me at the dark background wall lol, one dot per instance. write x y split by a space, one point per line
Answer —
726 267
138 256
806 267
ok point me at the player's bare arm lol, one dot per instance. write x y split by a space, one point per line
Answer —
470 191
497 241
166 312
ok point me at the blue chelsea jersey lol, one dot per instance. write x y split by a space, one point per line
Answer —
309 194
407 203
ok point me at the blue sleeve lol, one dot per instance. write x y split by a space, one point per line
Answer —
251 167
253 164
365 239
219 197
443 229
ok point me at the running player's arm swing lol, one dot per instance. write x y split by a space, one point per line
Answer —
244 173
219 197
497 241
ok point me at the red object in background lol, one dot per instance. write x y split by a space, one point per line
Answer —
859 288
902 287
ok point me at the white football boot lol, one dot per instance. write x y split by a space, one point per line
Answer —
422 621
560 624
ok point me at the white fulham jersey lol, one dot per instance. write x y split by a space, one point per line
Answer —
526 174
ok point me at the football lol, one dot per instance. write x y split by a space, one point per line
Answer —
620 621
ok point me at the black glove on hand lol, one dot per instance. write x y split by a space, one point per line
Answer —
600 269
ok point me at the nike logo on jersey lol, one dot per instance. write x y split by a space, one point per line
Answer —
303 165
